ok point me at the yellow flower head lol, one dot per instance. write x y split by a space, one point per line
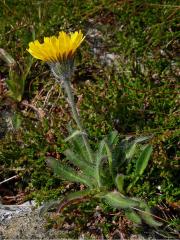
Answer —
56 49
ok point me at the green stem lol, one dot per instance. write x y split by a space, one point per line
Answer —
70 96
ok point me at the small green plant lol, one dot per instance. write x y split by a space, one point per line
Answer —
100 171
17 75
103 178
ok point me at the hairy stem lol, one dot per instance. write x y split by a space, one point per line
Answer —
68 89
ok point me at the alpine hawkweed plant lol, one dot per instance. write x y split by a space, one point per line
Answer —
59 52
100 171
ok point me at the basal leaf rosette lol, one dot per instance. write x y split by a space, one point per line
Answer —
58 52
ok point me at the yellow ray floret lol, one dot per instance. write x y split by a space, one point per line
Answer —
54 48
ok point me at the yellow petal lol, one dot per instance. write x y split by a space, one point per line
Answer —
56 48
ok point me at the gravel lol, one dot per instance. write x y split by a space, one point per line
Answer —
24 222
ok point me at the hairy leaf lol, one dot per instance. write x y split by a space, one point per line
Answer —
129 152
68 173
112 138
141 139
49 206
78 161
74 198
117 200
146 215
120 182
5 56
131 149
74 134
77 145
109 157
98 159
148 218
133 216
142 162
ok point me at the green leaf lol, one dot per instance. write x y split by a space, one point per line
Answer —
29 62
117 200
129 152
147 217
141 139
131 149
16 121
78 161
98 159
109 157
142 162
112 138
15 88
64 201
133 216
79 194
68 173
120 182
11 85
74 198
5 56
74 134
117 158
77 145
49 206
